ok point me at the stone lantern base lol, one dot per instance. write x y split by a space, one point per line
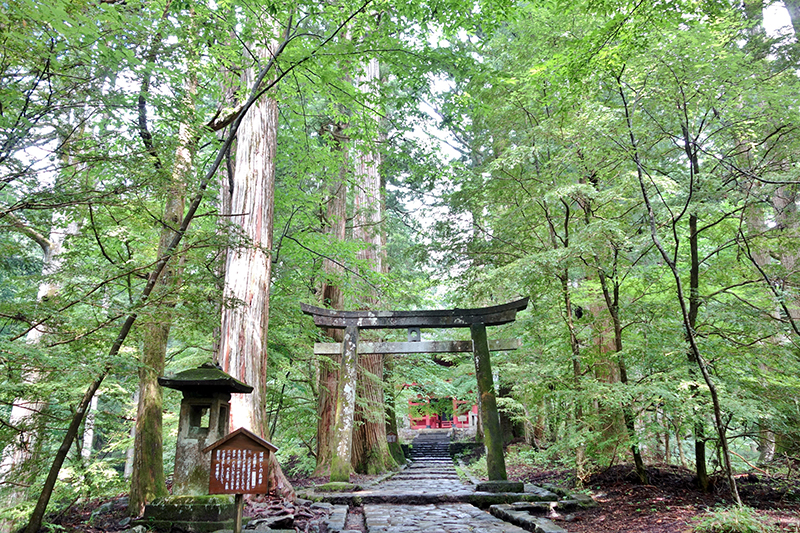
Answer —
193 514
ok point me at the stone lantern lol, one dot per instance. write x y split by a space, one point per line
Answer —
203 420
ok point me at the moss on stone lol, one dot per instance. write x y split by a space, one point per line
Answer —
337 486
191 508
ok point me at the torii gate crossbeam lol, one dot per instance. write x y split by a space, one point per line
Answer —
475 319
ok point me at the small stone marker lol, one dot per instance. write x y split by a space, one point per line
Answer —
239 466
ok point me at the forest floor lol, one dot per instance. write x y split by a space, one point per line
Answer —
671 503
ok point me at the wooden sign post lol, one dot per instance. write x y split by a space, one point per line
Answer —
239 464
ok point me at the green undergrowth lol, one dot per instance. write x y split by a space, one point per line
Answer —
520 459
732 520
478 468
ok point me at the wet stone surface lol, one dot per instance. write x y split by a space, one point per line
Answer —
433 518
431 473
429 497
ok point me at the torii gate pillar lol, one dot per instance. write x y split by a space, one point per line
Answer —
475 319
345 407
492 434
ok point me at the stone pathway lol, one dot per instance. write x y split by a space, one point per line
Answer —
429 497
431 472
430 518
431 475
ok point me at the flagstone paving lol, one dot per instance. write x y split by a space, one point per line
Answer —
430 518
424 497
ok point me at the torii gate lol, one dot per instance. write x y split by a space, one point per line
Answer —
474 319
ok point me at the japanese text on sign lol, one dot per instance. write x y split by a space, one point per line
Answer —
238 471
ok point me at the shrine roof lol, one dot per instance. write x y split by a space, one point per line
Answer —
206 377
245 433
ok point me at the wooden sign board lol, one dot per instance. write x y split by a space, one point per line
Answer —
239 464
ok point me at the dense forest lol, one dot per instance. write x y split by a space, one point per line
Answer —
176 177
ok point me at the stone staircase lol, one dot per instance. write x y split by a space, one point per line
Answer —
430 457
431 469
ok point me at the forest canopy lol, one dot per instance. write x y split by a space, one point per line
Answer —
177 177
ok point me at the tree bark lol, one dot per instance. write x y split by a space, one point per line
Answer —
147 474
345 408
611 297
370 449
332 296
245 318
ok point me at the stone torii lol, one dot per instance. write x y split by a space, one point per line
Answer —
474 319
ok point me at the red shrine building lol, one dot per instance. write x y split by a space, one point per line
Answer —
437 413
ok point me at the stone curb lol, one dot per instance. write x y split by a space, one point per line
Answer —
524 519
386 476
311 494
478 499
337 518
581 500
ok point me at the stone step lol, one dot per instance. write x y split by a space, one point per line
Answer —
427 473
431 452
421 454
436 453
433 455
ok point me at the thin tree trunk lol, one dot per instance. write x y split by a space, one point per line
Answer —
147 475
88 429
391 414
128 471
694 349
679 445
694 304
37 516
612 305
580 449
19 456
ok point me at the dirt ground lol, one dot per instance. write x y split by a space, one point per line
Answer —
671 503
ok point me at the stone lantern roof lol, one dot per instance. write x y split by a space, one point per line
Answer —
207 378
